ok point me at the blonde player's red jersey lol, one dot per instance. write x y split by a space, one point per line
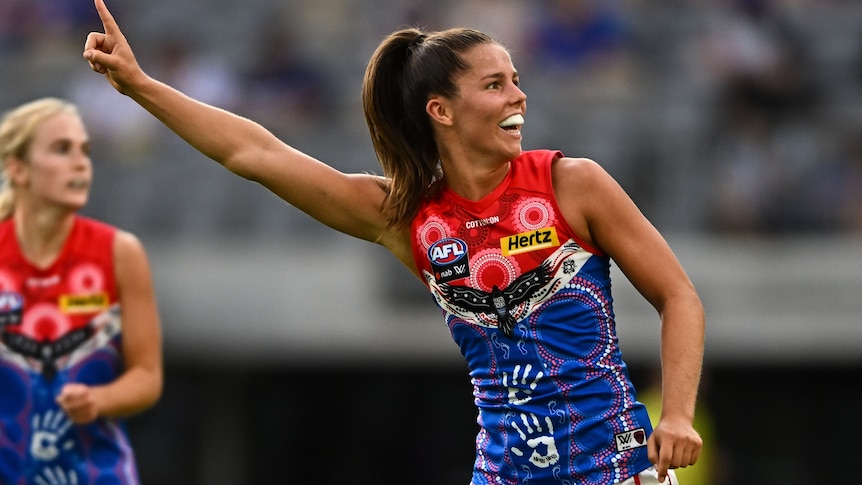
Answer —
59 324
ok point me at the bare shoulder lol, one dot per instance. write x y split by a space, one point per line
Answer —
580 171
130 256
587 196
125 243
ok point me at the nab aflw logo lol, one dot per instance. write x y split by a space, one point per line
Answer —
630 439
449 259
11 308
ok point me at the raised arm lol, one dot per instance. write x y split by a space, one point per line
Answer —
600 212
349 203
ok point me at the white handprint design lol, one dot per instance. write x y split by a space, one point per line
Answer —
521 395
57 476
48 430
532 427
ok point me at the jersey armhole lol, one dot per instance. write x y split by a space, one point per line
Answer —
554 155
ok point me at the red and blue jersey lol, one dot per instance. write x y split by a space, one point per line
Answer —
530 306
59 324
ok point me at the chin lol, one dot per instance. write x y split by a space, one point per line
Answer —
75 206
514 152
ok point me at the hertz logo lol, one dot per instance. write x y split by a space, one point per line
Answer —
529 241
84 303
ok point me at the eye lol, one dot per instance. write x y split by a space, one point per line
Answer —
62 147
494 85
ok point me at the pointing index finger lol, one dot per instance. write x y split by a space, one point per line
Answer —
107 19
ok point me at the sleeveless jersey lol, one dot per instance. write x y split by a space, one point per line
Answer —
530 306
58 325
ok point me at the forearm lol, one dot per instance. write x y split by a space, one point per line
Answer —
682 347
221 135
136 390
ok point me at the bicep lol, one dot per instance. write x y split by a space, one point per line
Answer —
349 203
140 317
604 215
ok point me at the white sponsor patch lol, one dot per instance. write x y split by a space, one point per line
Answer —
630 439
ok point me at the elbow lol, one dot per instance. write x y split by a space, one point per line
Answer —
156 389
685 301
250 157
236 165
152 388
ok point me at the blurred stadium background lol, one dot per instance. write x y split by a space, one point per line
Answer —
296 355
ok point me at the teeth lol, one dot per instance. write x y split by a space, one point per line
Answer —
513 120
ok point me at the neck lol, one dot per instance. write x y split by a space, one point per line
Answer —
474 182
41 235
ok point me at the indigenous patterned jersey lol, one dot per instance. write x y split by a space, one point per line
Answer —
58 325
530 306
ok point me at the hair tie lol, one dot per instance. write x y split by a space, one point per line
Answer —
416 42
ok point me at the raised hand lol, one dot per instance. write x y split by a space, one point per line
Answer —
109 53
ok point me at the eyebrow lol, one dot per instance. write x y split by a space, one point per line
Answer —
60 140
498 75
65 140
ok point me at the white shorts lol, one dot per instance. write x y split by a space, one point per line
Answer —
650 477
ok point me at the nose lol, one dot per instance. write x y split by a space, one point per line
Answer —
520 96
82 157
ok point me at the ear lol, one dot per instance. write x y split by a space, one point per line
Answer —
439 111
15 171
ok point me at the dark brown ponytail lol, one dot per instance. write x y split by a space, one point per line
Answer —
408 67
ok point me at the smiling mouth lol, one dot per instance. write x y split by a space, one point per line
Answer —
79 184
512 124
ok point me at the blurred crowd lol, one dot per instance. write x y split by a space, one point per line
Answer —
725 116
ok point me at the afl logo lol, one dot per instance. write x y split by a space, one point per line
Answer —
11 308
447 251
449 259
